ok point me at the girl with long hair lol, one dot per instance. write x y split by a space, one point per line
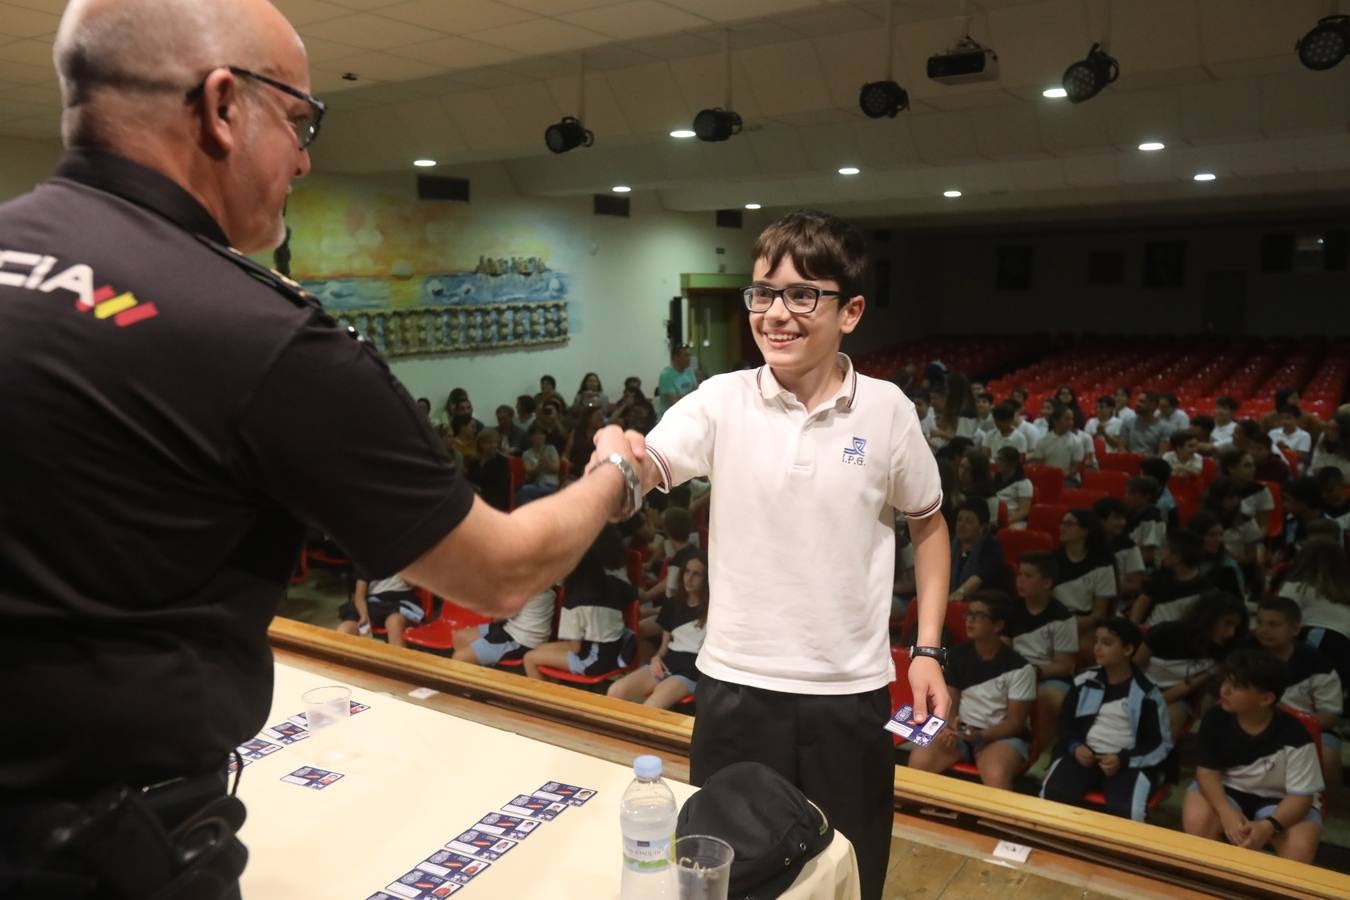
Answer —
671 675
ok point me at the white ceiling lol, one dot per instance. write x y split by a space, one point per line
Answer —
467 81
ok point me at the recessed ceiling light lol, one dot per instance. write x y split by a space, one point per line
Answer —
621 189
682 133
752 206
424 163
1055 93
952 193
1149 146
1204 176
849 170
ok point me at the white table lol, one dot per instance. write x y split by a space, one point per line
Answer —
415 779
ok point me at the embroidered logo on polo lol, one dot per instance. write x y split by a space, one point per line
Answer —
854 455
105 302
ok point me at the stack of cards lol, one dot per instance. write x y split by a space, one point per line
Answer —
468 854
903 724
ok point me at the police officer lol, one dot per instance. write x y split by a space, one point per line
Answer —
174 416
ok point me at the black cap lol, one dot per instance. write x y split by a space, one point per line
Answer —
770 824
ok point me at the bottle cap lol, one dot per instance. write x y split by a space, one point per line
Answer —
647 767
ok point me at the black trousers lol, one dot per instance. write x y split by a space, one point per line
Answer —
832 747
1126 792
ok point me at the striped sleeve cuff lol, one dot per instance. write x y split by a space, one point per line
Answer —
666 482
927 510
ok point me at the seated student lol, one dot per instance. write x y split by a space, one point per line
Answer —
1123 411
977 558
1269 463
1045 633
525 407
1024 425
1225 425
1288 434
541 463
490 472
463 437
1086 580
1105 423
591 632
388 603
1302 506
1143 432
513 436
1130 568
984 419
1243 538
1144 522
1254 498
973 476
1184 457
1202 426
507 639
1318 580
671 674
1061 447
1314 685
676 548
1159 470
1003 434
1215 561
1333 446
923 409
550 418
1182 657
1043 423
1012 486
1335 501
1257 779
1171 414
1114 732
1173 589
992 689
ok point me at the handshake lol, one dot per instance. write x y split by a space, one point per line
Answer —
626 450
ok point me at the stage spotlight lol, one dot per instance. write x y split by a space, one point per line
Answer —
716 124
1326 45
879 99
1085 79
567 135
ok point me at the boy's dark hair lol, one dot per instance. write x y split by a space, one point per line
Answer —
1004 412
1287 608
976 506
1329 475
458 394
1227 403
959 445
821 246
1145 486
1251 428
1157 468
424 400
1110 506
525 403
678 523
1290 409
1179 438
1044 563
1060 410
999 603
552 382
1170 398
1257 669
916 394
1202 424
1011 456
1187 545
985 396
506 409
1305 489
1106 400
1125 631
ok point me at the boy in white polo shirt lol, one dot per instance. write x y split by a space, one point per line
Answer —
809 461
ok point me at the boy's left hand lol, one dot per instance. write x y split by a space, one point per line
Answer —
1109 763
1259 834
929 687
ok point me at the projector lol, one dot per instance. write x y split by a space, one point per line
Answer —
964 63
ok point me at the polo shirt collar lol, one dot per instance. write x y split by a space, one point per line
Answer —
142 186
769 388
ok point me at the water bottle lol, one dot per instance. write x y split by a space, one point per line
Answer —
647 815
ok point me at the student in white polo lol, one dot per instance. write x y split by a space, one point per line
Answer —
809 463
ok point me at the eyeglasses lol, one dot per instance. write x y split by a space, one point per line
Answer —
306 128
799 298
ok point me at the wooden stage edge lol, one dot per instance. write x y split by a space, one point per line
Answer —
613 729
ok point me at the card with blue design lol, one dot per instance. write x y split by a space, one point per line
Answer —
517 828
311 777
570 794
287 732
481 844
423 883
256 749
903 724
453 866
535 807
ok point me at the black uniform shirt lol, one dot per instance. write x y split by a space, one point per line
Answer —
172 414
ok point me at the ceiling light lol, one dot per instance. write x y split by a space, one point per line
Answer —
1056 93
716 124
682 133
952 193
424 163
752 206
1326 45
1085 79
880 99
849 170
567 135
1204 176
621 189
1150 146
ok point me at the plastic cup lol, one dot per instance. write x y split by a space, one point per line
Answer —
326 708
703 867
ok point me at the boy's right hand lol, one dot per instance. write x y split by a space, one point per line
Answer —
658 668
1084 756
1235 825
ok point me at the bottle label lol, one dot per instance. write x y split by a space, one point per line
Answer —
647 856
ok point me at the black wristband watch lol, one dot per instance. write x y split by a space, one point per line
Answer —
937 653
1274 823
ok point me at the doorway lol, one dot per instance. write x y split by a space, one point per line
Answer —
719 331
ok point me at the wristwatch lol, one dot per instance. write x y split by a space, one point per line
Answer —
937 653
633 492
1274 823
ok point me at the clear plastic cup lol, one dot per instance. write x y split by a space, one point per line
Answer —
703 867
326 707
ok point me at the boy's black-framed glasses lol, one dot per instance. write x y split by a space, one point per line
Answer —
797 298
306 128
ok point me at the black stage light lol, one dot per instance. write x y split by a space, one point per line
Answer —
1085 80
716 124
1326 45
882 98
567 135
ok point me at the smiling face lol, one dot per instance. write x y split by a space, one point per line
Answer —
796 344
